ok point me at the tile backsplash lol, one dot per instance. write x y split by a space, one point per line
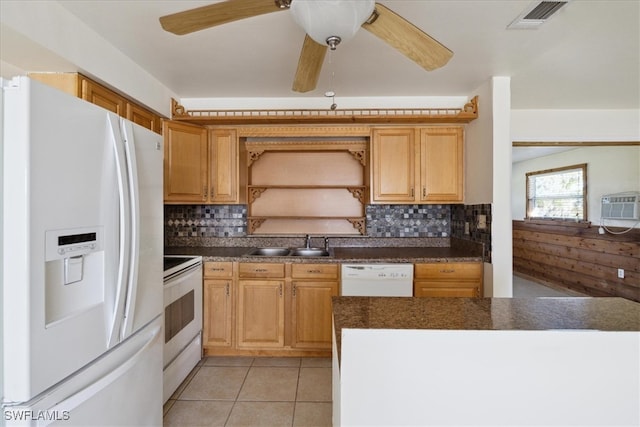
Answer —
205 220
408 220
382 220
461 214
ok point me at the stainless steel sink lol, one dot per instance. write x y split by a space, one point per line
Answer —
269 252
309 252
275 252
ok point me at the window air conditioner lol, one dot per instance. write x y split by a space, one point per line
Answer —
621 206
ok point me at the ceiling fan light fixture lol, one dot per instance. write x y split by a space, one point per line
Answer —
324 19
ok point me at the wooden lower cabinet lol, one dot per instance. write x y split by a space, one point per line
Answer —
218 294
311 317
261 314
217 312
269 309
443 279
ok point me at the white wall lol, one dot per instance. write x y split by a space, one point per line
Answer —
575 125
501 225
612 169
43 36
487 178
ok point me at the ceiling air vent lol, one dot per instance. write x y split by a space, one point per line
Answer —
537 14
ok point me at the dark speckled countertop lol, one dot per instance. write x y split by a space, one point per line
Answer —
337 255
342 249
603 314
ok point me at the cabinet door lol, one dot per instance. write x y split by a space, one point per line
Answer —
312 315
217 313
143 117
393 165
223 165
185 163
441 164
260 314
105 98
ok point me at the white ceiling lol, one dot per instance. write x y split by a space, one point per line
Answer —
585 56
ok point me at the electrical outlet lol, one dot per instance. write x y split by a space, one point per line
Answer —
482 222
621 273
466 228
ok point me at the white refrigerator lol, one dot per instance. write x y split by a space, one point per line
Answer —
82 245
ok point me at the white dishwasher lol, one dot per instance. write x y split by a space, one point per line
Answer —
377 280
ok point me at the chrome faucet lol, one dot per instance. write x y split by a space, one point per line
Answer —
307 239
326 244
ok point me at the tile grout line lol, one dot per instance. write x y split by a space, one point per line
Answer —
235 401
295 397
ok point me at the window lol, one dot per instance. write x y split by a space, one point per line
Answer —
559 193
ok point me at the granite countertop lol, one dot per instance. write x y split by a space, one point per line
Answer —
337 255
602 314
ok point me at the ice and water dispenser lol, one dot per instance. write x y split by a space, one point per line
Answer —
74 271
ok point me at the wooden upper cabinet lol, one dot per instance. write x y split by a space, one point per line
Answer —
393 165
185 163
223 166
103 97
144 118
77 85
201 166
417 165
441 164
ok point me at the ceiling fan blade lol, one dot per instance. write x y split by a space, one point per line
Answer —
408 39
309 65
203 17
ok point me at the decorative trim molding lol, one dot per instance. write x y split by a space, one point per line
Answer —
256 148
359 224
466 114
358 193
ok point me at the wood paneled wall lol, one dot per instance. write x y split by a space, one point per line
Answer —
579 258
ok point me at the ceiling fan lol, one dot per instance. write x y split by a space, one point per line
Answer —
312 15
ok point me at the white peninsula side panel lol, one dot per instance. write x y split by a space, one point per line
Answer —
487 378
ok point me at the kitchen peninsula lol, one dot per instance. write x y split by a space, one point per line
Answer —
484 361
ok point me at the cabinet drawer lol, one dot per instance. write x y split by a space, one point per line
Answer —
449 271
260 269
218 269
429 290
314 271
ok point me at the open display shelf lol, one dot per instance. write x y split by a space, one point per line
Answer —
309 187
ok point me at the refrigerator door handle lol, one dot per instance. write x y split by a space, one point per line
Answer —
134 235
124 245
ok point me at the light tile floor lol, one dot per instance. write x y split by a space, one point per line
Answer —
523 287
246 391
